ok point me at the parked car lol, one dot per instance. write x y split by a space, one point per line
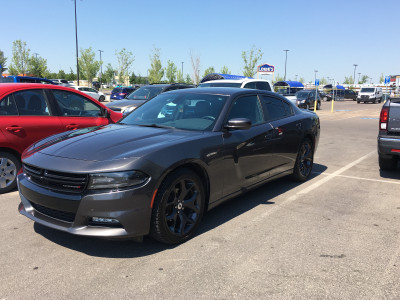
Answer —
144 94
246 83
389 134
29 112
370 94
25 79
96 85
62 82
120 93
350 94
325 96
163 165
91 92
306 99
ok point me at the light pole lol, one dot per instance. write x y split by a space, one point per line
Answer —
284 79
182 70
354 78
76 41
296 77
358 77
315 75
101 67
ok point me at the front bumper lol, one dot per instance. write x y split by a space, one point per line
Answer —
388 146
73 213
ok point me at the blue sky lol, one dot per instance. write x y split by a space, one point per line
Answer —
328 36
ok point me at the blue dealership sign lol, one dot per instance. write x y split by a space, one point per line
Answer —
317 82
387 79
266 68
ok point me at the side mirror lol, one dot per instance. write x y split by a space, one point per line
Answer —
238 124
106 113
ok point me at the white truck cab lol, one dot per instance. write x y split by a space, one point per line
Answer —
370 94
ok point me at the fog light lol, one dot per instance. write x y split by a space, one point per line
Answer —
104 220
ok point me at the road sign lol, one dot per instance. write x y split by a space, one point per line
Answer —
316 82
387 79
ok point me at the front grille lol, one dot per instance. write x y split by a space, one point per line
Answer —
53 213
59 181
364 97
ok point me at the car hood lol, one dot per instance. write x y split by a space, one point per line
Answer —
125 103
111 142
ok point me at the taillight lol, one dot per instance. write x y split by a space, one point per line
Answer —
383 120
122 94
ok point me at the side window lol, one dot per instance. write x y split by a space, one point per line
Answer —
262 85
71 104
91 90
31 103
250 85
8 107
275 108
247 107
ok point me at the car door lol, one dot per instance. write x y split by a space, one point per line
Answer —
248 152
92 93
288 133
76 111
26 116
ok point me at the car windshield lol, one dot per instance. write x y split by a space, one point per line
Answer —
187 111
367 90
145 93
220 84
116 90
302 95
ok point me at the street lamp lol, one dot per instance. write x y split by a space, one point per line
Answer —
315 75
182 70
76 41
284 79
101 67
358 77
354 78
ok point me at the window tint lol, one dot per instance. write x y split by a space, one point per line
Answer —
262 85
250 85
276 109
31 103
247 107
8 107
72 104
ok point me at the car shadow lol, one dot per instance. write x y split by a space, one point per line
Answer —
223 213
394 174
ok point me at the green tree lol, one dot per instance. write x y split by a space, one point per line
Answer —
179 76
196 68
188 79
108 75
156 72
225 70
302 80
277 78
348 80
209 70
125 60
381 79
3 61
61 74
37 66
71 76
251 59
363 79
20 58
170 72
88 65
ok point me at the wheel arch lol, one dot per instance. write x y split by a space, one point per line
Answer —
11 151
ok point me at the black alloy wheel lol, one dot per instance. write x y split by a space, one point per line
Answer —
178 207
304 162
102 98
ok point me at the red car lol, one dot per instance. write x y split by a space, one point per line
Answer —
30 112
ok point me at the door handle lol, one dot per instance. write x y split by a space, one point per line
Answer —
72 126
14 128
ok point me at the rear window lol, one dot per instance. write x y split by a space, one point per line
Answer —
116 90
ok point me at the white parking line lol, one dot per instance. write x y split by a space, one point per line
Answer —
334 174
360 178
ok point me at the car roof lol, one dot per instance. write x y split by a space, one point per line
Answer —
236 80
227 91
6 88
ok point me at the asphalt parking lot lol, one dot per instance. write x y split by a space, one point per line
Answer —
334 236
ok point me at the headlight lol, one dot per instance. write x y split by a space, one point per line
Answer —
128 109
116 180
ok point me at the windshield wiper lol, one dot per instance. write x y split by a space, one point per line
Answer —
154 125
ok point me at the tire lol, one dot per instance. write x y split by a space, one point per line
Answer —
380 100
318 105
102 98
325 99
178 207
304 161
358 102
308 106
387 164
9 167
